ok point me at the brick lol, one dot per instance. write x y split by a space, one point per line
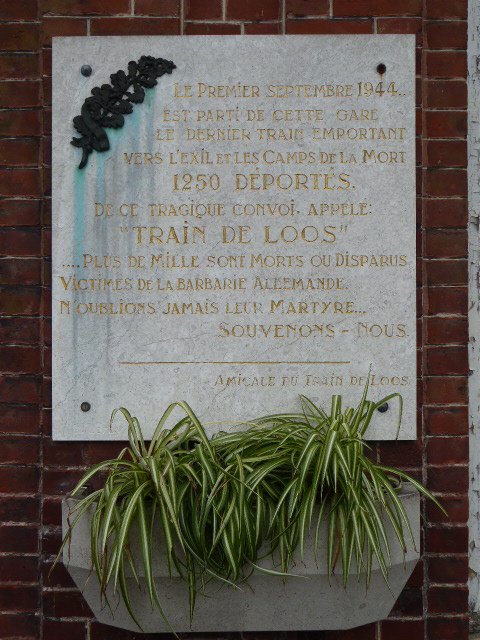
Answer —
17 625
203 9
57 482
445 213
455 506
253 10
409 603
134 26
446 272
401 453
329 26
63 453
24 450
18 479
25 180
18 539
84 7
445 124
26 242
19 418
441 9
65 604
446 421
446 330
57 576
377 7
19 94
24 271
445 628
448 390
20 359
448 600
445 94
25 389
19 65
19 151
307 7
104 451
18 10
211 28
448 479
19 123
157 7
446 153
262 28
446 64
447 360
446 540
401 629
18 569
448 569
442 451
20 301
401 25
446 299
100 631
19 213
441 243
19 509
62 629
19 37
443 183
52 27
446 35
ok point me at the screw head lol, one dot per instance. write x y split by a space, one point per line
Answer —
383 408
85 406
86 70
381 68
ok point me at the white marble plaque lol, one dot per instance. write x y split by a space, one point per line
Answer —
248 237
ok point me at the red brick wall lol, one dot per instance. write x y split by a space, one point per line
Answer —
36 472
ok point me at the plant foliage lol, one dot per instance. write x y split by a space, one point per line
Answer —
216 505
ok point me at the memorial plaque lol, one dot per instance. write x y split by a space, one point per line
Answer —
240 230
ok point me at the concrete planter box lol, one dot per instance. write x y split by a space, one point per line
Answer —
300 604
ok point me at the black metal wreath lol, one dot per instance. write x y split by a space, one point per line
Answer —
108 104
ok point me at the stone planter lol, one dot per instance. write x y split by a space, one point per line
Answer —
314 603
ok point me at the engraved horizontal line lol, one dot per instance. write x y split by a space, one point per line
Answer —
147 362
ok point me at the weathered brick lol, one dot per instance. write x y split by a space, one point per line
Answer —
307 8
377 8
448 600
449 330
253 10
134 26
84 7
19 151
18 37
447 628
445 94
446 64
442 9
446 35
211 28
52 27
445 124
446 272
447 390
448 480
446 153
19 65
446 420
157 7
330 26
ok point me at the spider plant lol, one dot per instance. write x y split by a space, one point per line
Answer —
217 506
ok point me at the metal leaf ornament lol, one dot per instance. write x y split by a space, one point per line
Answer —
108 104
